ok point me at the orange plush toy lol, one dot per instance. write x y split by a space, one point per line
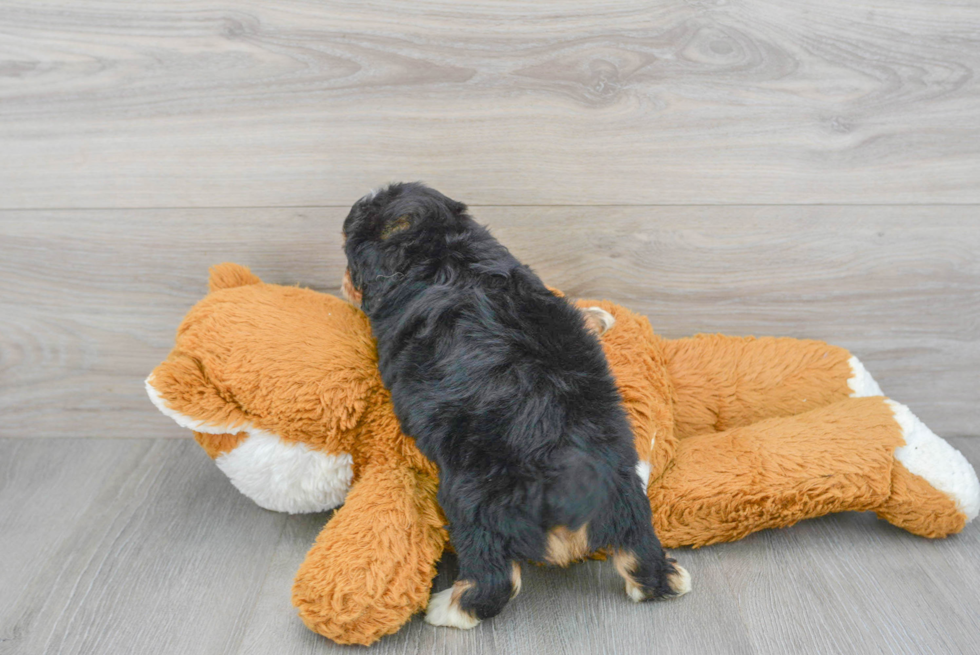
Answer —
281 388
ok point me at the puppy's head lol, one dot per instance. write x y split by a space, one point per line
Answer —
390 230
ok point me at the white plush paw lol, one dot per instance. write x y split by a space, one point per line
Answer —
444 611
934 459
925 454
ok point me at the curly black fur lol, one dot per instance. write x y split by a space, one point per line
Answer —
502 385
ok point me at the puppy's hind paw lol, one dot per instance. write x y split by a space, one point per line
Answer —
678 584
444 609
644 584
679 581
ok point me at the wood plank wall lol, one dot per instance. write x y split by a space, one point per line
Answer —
744 166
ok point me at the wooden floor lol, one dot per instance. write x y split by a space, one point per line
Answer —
142 546
742 166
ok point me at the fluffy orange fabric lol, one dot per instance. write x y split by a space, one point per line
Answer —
373 565
776 472
726 382
740 434
219 444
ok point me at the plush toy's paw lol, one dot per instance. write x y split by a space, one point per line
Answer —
935 491
935 460
371 567
444 610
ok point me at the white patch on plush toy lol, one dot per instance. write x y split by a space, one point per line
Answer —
861 383
643 470
935 460
287 477
444 612
275 474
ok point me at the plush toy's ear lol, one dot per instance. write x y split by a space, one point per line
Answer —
181 387
229 275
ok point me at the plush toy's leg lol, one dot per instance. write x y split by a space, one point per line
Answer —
725 382
841 457
372 566
725 485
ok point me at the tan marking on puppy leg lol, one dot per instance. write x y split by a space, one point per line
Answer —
515 579
349 291
625 563
598 320
459 587
444 608
565 546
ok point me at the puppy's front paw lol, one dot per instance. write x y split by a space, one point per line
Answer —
444 610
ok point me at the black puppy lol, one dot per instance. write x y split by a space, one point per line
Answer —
502 384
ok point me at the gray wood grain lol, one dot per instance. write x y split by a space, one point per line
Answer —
579 610
157 104
125 546
45 488
91 299
868 587
118 546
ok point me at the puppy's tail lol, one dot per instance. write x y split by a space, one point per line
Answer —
577 491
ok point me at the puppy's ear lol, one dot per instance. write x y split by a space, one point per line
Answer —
400 224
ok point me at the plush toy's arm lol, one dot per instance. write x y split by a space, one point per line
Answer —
372 566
